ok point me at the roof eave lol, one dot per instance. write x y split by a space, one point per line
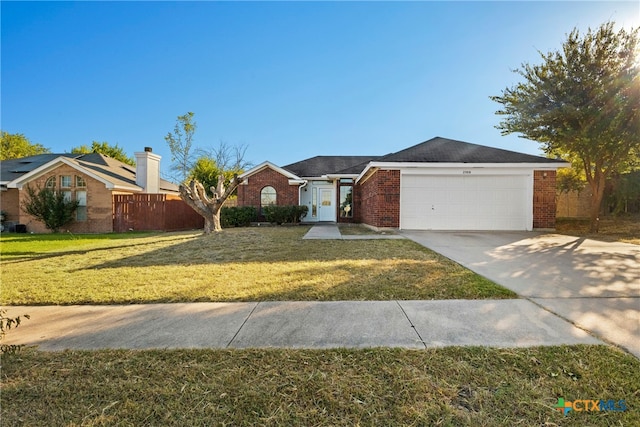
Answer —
416 165
39 171
525 165
341 175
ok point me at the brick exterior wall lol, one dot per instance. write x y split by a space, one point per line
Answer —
10 204
249 192
379 199
544 199
99 203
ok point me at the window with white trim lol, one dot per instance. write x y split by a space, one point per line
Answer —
65 181
81 212
268 196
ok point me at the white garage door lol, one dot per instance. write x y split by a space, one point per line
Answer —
480 202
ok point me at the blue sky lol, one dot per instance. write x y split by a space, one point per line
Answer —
290 80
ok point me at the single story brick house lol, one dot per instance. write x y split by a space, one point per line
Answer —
439 184
91 179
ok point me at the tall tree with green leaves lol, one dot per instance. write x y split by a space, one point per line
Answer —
225 159
16 145
180 143
49 206
113 151
581 103
206 171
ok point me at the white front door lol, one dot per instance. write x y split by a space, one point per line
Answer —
326 205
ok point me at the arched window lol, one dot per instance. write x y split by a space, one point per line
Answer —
51 182
267 196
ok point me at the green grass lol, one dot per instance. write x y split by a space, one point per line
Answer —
244 264
448 387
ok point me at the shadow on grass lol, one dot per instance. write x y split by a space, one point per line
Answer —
214 250
13 256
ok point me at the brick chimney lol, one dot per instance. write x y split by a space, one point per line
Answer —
148 171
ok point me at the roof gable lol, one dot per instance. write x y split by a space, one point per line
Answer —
111 172
269 165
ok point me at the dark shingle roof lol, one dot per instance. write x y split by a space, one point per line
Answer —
326 165
442 150
15 168
107 168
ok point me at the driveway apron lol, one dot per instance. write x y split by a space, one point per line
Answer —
595 285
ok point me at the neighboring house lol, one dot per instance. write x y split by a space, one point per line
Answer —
91 179
440 184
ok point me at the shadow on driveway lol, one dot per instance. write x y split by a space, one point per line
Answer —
594 284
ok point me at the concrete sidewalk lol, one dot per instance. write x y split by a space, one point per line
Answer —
408 324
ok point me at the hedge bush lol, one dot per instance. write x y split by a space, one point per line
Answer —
285 214
238 216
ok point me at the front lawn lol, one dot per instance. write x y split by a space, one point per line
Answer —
278 387
622 228
242 264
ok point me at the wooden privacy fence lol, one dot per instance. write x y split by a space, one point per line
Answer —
150 212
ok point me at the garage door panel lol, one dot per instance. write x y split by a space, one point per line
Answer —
453 202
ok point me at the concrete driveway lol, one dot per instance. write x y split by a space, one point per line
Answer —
595 285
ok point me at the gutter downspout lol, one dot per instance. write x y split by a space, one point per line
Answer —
300 190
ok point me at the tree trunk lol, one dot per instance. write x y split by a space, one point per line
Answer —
597 193
209 208
209 225
216 219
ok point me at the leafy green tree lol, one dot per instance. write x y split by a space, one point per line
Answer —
16 145
624 194
206 172
113 151
225 160
581 103
50 207
180 143
570 179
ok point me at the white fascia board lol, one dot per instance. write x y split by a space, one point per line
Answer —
296 181
268 164
19 182
126 188
408 166
345 175
318 178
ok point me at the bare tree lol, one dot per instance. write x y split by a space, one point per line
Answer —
229 158
209 207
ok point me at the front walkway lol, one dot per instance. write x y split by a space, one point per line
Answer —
330 231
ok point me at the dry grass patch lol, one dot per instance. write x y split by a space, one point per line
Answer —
450 387
360 230
245 264
612 229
